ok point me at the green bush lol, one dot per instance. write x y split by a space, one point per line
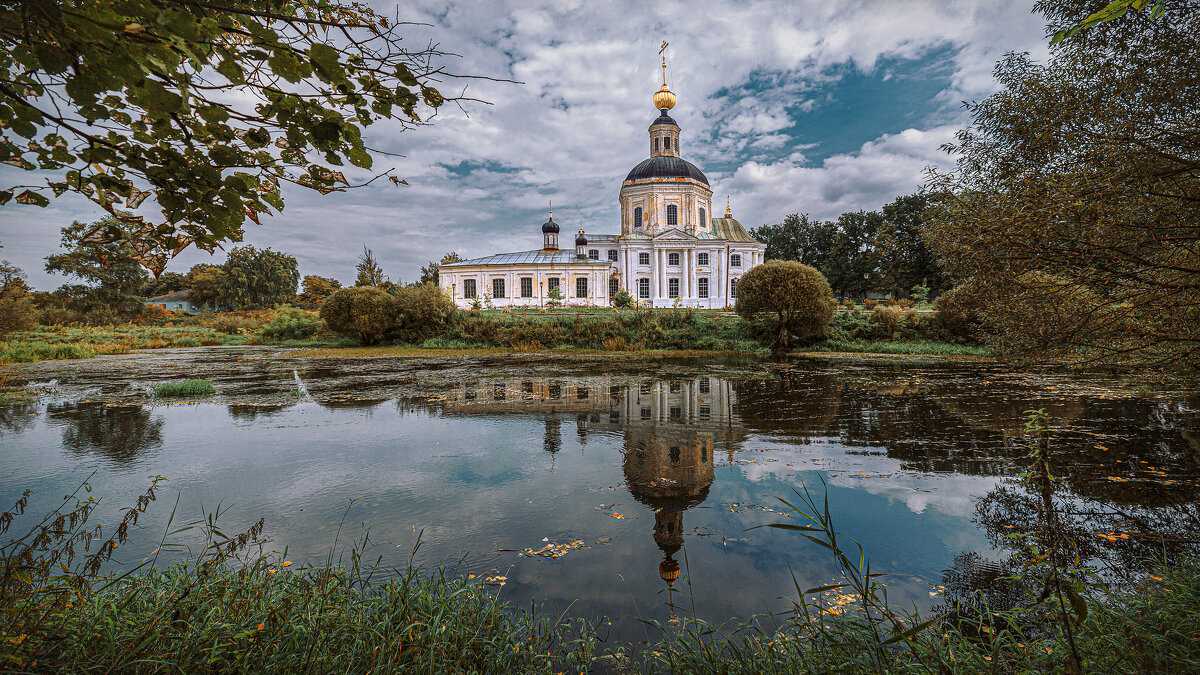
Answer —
623 298
232 323
887 319
17 312
421 311
364 313
958 310
292 323
58 316
102 316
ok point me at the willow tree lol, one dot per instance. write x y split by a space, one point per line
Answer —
204 108
1078 185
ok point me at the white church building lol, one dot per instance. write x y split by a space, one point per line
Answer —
670 251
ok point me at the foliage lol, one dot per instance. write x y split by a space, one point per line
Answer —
904 259
77 342
421 311
429 273
112 278
205 107
798 238
257 279
796 295
167 282
554 297
1084 168
1113 10
316 289
369 273
292 323
184 388
623 299
205 283
17 310
958 310
364 313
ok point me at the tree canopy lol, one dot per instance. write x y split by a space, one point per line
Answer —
1086 170
204 108
257 279
795 296
112 280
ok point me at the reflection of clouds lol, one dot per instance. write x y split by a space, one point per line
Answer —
949 493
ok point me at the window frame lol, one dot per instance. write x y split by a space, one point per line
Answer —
526 281
473 293
498 284
672 214
593 254
673 287
581 282
643 285
637 217
703 221
702 258
673 259
643 258
735 259
733 287
614 287
552 283
612 255
702 287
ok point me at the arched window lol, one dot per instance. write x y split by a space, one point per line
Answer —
656 143
676 144
672 214
637 217
703 222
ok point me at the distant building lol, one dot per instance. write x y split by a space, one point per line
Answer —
173 302
670 249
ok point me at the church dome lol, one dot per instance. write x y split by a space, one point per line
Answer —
580 240
666 167
664 118
550 227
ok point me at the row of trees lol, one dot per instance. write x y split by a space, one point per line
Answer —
863 251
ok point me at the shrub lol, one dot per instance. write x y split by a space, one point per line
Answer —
886 319
364 313
421 311
958 310
794 296
17 312
623 298
58 316
292 323
102 316
869 304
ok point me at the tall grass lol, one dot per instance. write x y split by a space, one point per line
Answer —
184 388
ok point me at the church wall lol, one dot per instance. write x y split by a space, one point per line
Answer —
451 279
688 195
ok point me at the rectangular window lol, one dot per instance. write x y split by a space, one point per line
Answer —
526 287
673 259
702 287
593 254
735 260
702 259
733 288
468 288
705 385
672 288
674 388
551 284
614 286
643 289
612 255
644 413
498 288
643 258
644 389
676 412
581 287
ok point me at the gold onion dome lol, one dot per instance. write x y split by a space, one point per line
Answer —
664 99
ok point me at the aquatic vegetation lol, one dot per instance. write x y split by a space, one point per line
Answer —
185 388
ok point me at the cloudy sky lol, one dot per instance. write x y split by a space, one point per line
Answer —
789 107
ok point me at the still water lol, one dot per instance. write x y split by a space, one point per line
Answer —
645 477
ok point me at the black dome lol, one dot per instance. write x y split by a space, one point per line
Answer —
664 118
666 167
549 227
580 240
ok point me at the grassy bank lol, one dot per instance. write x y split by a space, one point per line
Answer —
684 332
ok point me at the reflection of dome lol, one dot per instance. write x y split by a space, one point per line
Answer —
668 570
668 477
664 166
668 530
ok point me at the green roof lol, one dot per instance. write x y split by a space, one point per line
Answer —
727 229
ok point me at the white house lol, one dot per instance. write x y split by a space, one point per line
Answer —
670 250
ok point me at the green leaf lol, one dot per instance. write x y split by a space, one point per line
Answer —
32 198
325 60
1077 601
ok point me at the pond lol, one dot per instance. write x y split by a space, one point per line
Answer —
608 486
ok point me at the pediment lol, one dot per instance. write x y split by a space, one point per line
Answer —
674 235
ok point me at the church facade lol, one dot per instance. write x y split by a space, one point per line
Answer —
670 251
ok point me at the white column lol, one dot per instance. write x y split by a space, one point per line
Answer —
660 274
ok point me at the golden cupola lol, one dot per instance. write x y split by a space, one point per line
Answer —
664 98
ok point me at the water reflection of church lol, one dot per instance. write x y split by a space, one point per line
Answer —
670 431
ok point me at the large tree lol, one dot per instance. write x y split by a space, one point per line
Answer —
257 279
795 298
113 281
800 238
1078 184
853 263
368 271
904 258
205 108
429 273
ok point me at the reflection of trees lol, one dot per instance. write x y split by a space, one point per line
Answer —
552 441
17 418
119 433
797 404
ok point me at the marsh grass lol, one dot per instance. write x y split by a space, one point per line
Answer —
921 347
185 388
